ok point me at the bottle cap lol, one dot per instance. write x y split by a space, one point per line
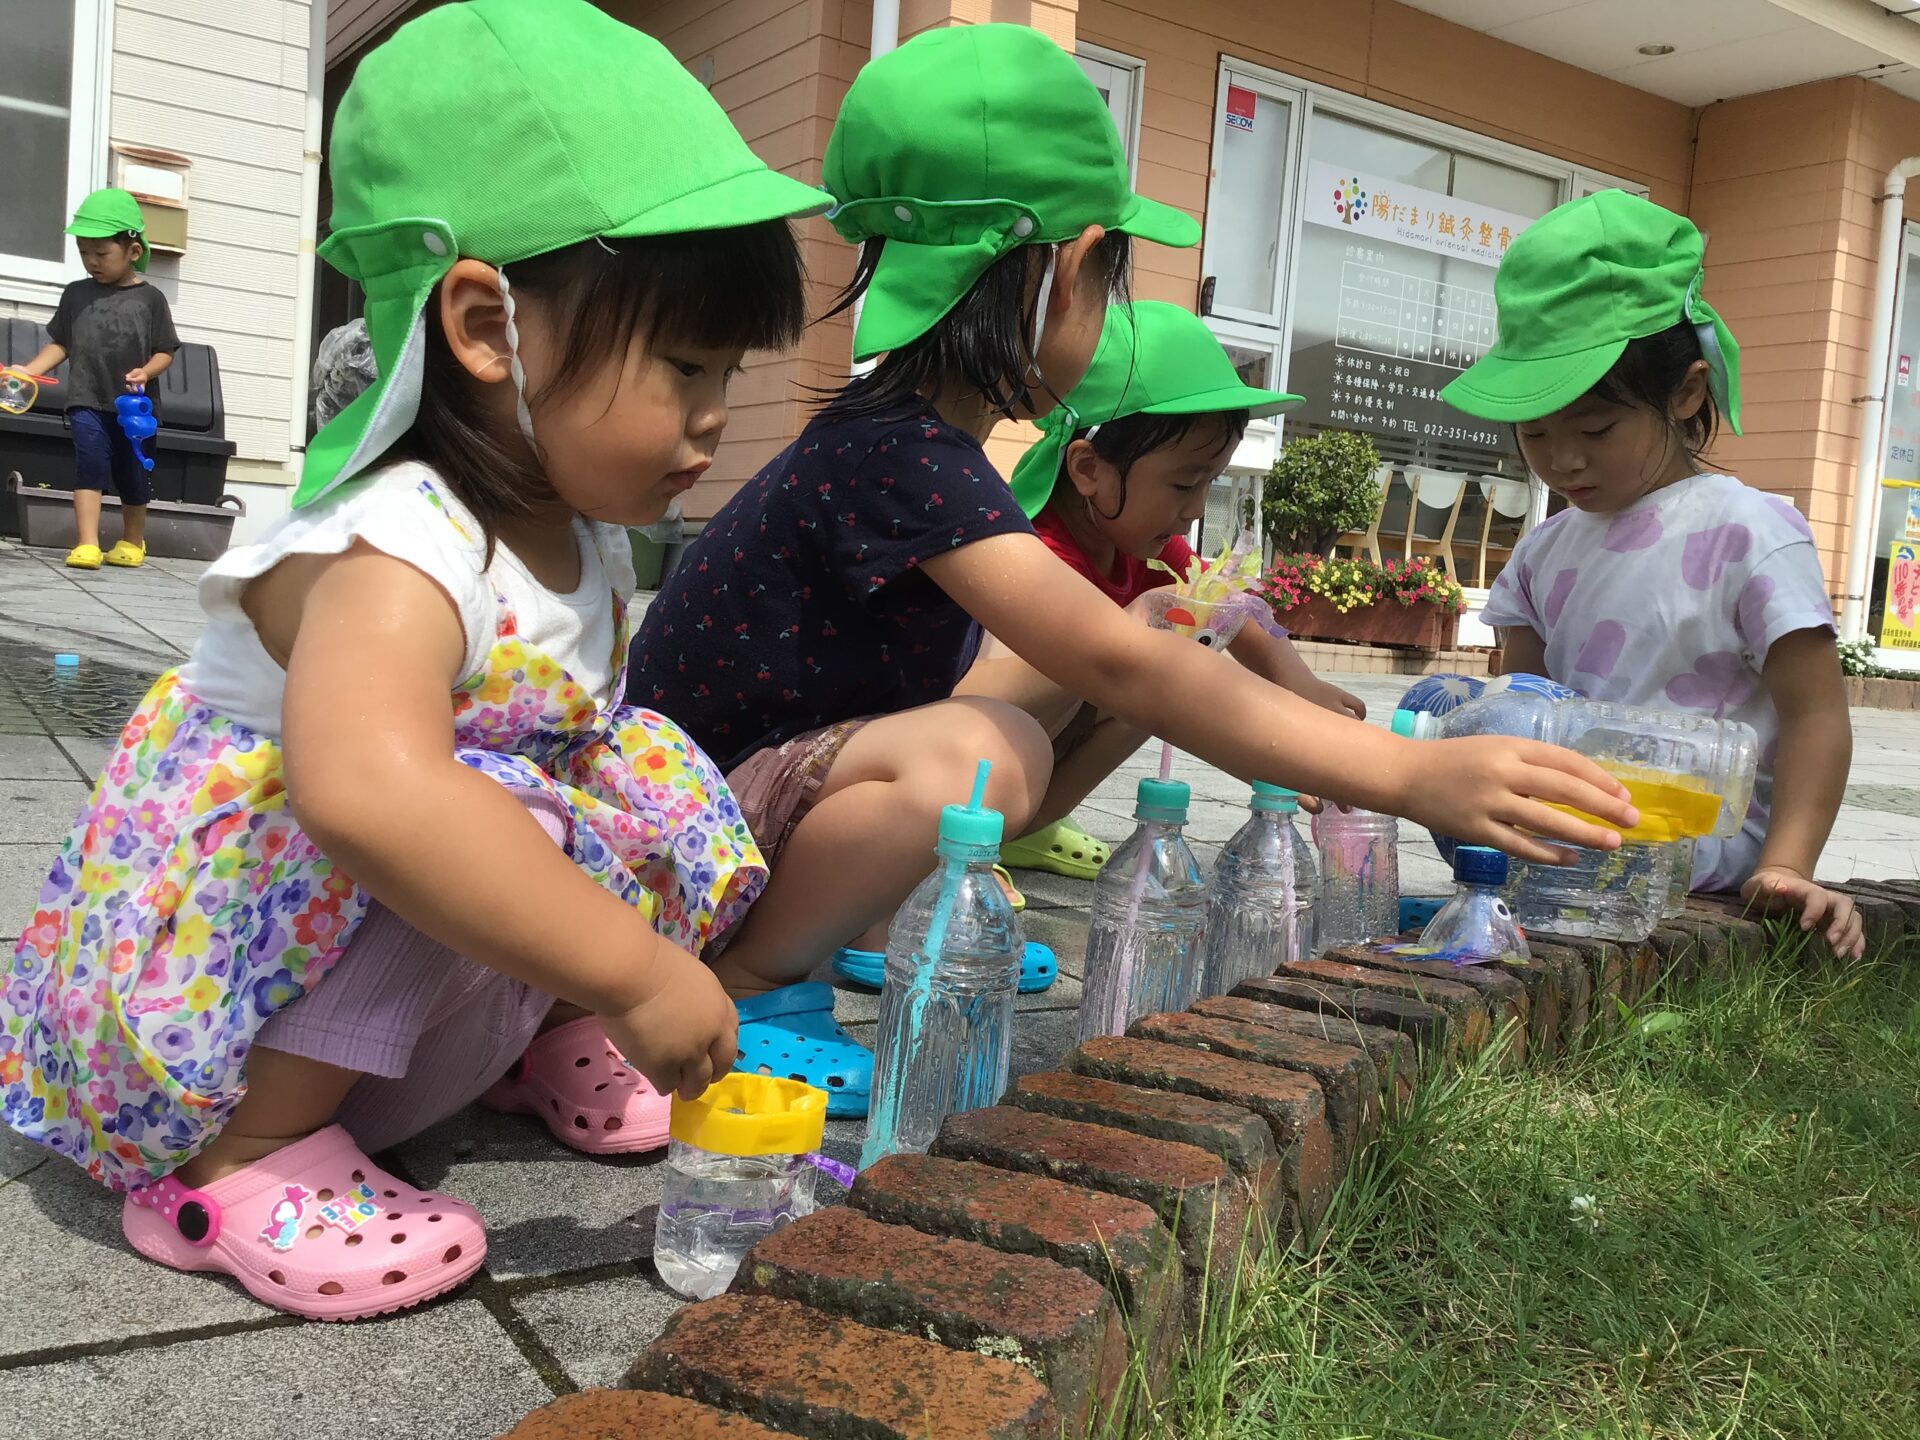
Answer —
744 1114
1162 801
1416 725
1477 865
973 823
65 661
1275 798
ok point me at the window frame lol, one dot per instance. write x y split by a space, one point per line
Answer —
24 279
1136 71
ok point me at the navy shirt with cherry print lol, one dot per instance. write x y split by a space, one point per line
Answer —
802 604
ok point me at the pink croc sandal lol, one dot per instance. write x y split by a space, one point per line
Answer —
316 1228
589 1096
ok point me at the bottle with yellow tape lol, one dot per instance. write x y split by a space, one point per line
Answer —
740 1164
1690 776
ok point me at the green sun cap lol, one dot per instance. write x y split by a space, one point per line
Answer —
111 212
962 145
1574 288
498 130
1153 359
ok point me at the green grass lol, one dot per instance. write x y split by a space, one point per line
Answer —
1754 1158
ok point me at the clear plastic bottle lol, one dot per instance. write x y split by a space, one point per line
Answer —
1682 883
1149 917
737 1169
1690 775
1476 926
1359 876
943 1043
1260 905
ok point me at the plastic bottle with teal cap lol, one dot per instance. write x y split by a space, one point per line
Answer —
1149 915
943 1043
1260 901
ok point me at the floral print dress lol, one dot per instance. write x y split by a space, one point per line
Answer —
187 906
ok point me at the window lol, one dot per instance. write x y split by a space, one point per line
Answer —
50 97
1121 81
1247 212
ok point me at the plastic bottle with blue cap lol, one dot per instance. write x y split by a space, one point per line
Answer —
1476 926
1260 901
943 1043
1149 915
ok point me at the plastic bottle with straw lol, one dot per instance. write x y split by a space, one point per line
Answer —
944 1039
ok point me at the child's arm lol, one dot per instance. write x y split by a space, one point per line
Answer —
1522 651
45 362
156 366
1273 659
1484 790
375 650
1814 750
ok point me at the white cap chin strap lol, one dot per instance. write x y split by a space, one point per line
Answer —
514 367
1040 307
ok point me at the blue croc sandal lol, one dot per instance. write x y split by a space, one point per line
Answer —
791 1032
1038 968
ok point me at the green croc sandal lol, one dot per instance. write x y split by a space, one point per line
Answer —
1062 848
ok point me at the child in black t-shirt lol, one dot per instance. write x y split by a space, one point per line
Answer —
118 333
811 637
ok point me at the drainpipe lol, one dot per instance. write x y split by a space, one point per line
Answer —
1873 408
303 285
884 36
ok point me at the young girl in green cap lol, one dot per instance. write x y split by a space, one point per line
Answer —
1121 471
116 333
1663 583
812 636
388 821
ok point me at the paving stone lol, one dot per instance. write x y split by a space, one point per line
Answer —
636 1415
33 757
1390 1053
23 870
1057 1323
40 812
1193 1192
1426 1025
548 1209
446 1371
89 1286
1234 1133
1117 1241
818 1375
1289 1102
594 1330
88 753
1344 1075
1503 996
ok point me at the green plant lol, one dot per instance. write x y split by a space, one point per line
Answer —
1321 487
1295 579
1856 658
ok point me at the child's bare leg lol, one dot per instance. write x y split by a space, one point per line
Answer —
133 522
868 840
288 1097
86 517
1085 766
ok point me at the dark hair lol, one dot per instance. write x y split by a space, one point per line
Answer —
984 341
741 288
1648 373
1125 442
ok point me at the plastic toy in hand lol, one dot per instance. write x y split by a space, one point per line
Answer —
18 390
1210 602
137 423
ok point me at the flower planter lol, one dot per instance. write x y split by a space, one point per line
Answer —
1426 626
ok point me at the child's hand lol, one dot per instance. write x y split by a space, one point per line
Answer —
137 378
681 1037
1776 890
1488 789
1332 697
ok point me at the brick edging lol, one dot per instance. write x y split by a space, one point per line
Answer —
993 1287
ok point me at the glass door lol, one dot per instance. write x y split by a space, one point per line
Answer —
1249 204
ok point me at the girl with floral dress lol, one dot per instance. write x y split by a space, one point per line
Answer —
389 820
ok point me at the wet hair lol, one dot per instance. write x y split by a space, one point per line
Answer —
983 342
1647 375
1125 442
740 288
